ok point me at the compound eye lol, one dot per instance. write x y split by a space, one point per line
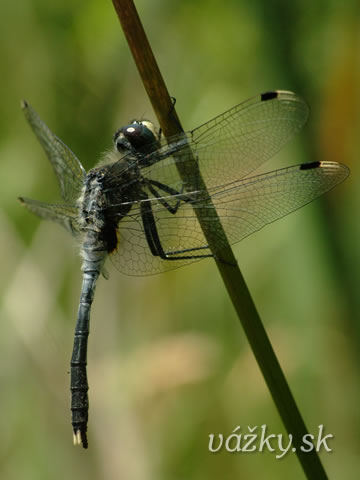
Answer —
150 126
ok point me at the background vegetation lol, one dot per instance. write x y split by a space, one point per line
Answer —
168 362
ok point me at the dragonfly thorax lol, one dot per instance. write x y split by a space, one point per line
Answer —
103 204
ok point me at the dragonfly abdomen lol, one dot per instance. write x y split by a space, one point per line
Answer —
94 255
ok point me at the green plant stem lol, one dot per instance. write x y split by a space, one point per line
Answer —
224 257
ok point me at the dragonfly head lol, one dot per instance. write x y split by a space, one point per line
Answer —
137 136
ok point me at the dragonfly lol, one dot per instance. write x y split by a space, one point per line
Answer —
137 209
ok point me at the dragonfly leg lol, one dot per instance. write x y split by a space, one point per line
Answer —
219 259
170 191
153 239
151 234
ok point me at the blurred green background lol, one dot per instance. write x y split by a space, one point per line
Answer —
168 361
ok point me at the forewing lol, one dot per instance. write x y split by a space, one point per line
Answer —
65 215
243 208
234 144
67 167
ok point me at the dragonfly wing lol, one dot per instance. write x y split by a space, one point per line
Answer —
234 144
244 208
65 215
68 169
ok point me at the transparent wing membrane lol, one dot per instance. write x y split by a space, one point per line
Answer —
65 215
239 141
67 167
